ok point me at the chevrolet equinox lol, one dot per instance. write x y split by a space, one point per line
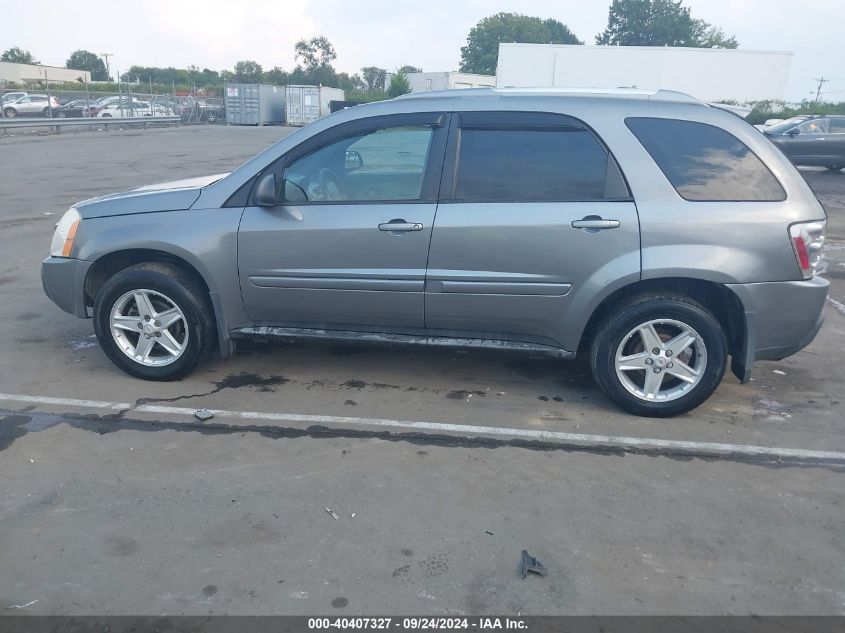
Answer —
651 232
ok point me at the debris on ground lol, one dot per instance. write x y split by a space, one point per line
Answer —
352 516
333 514
779 372
531 564
22 606
203 414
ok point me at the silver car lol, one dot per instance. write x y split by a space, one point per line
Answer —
39 105
656 235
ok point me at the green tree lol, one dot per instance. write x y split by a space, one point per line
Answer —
373 78
410 69
276 77
17 55
659 23
481 52
86 60
314 53
248 72
399 85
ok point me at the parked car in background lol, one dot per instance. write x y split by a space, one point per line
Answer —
534 222
73 109
12 96
133 109
30 105
812 140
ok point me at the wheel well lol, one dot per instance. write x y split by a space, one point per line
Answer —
721 302
113 263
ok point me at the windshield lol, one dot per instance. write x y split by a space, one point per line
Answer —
783 126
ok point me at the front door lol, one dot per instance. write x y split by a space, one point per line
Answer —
534 211
346 246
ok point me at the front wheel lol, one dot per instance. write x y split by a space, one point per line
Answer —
154 321
835 167
10 113
659 355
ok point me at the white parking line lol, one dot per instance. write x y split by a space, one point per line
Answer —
582 440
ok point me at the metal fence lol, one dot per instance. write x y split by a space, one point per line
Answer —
129 102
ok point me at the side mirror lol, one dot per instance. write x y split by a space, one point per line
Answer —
265 192
352 161
794 132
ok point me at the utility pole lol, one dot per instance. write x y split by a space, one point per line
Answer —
821 81
106 57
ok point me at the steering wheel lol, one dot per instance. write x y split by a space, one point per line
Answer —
330 184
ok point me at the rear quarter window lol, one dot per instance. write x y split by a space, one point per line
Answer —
705 163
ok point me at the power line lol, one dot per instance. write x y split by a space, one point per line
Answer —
821 81
106 57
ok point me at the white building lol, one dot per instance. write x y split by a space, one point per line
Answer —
709 74
424 82
35 73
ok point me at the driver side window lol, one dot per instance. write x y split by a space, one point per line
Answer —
378 165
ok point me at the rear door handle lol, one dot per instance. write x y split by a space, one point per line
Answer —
400 226
595 223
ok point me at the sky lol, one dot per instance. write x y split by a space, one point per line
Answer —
385 33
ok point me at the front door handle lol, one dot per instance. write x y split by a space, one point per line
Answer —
594 223
400 226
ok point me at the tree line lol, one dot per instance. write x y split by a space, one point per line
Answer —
629 23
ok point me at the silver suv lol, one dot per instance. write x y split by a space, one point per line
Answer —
651 232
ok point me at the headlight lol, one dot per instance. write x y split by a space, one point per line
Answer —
64 234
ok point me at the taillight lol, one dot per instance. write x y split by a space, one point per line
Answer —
807 242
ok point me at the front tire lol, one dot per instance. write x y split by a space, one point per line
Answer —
154 321
834 168
10 113
659 355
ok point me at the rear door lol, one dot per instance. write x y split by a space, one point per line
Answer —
534 212
346 246
837 140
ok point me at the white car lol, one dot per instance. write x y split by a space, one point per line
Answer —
133 109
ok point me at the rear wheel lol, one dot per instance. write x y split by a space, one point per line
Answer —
659 355
154 321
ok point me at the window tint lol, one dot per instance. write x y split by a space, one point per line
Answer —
386 164
813 126
530 164
837 126
704 162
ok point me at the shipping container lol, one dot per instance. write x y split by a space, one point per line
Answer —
255 104
709 74
305 104
327 95
423 82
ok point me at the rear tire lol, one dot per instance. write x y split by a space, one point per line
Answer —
673 381
193 334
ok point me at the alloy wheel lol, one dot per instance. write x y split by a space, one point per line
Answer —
661 360
149 327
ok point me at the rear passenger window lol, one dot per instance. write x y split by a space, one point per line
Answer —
705 163
534 164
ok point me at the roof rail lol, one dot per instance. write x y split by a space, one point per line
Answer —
615 93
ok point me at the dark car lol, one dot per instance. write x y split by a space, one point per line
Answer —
73 109
815 140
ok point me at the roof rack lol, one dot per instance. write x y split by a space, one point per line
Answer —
615 93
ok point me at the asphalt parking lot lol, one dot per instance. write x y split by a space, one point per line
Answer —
337 479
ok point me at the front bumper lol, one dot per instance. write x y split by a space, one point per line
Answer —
63 280
781 318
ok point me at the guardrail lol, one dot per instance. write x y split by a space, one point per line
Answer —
57 123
